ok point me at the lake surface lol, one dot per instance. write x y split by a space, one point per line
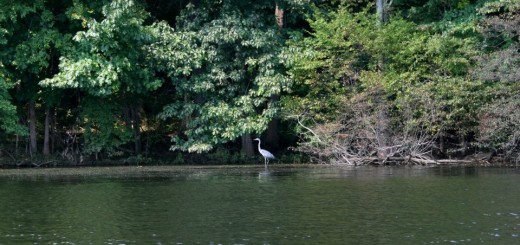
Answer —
286 205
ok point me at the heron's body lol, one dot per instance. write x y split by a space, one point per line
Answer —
266 154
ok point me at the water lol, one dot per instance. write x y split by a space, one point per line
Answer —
322 205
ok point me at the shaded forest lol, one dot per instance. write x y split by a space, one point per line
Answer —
194 81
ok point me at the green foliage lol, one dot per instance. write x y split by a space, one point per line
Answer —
28 38
110 56
104 130
110 59
438 11
421 65
325 64
8 116
499 120
176 52
234 72
216 70
500 29
32 36
500 6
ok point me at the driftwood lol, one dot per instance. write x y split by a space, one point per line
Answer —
409 161
37 165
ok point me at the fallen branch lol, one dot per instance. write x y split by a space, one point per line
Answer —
403 161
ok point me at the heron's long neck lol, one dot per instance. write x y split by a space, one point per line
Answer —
259 145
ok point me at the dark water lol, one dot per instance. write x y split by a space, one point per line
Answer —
285 206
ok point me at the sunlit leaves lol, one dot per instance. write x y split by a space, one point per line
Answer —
233 68
423 68
176 52
110 56
500 6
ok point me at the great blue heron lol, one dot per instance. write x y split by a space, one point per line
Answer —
267 155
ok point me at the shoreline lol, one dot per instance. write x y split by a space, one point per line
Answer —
179 170
149 170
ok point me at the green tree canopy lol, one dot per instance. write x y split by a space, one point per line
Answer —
237 68
110 57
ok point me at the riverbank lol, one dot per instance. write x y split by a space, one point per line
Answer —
410 161
144 171
224 160
218 157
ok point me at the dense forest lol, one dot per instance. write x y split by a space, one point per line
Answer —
194 81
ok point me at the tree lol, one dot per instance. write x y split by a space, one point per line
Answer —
228 88
500 30
424 66
9 121
33 43
110 60
383 10
499 119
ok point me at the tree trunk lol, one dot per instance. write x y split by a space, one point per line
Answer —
133 124
247 145
32 128
46 135
16 145
380 10
442 148
53 130
271 138
279 14
464 145
136 118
